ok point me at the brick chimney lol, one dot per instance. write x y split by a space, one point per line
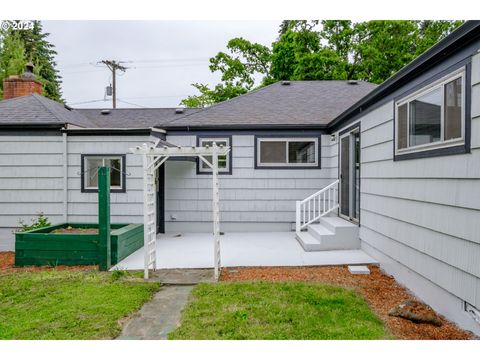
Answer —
21 85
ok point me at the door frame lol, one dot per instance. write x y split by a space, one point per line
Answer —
355 128
160 184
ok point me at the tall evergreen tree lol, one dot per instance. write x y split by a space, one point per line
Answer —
37 49
12 58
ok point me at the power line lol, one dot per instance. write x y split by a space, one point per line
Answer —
86 102
130 103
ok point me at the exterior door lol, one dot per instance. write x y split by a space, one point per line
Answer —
350 175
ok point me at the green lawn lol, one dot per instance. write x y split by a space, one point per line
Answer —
261 310
67 305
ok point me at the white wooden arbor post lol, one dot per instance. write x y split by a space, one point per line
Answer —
153 157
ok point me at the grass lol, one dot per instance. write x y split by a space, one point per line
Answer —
68 305
261 310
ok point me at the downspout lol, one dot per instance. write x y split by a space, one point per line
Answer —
65 176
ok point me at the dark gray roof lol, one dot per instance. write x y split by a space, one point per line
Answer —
134 118
37 109
299 103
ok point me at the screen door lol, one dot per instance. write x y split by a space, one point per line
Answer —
350 175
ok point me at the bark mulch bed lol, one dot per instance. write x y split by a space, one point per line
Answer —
381 291
7 265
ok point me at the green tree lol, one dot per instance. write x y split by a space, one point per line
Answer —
12 58
322 50
238 68
40 51
207 97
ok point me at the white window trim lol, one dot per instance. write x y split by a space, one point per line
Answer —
209 169
440 83
287 140
87 157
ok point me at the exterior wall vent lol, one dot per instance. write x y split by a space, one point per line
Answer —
179 111
473 312
285 82
105 112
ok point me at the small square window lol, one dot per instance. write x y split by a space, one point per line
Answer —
223 160
90 165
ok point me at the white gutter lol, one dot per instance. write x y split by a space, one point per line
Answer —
121 129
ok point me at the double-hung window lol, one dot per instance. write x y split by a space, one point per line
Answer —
287 152
223 160
433 117
90 165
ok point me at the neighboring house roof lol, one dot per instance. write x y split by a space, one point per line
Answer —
35 109
461 37
282 103
134 118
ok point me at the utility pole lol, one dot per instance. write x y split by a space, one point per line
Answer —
113 66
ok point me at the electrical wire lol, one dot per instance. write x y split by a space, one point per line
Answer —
130 103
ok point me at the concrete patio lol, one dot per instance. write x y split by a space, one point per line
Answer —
195 250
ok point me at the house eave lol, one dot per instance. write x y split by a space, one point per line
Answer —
246 127
112 131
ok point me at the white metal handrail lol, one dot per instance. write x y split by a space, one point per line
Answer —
315 206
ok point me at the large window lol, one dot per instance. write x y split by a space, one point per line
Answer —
223 160
433 117
287 152
90 165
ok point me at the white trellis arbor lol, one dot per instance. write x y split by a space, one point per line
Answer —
153 157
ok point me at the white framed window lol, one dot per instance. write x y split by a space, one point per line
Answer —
287 152
223 160
90 165
433 117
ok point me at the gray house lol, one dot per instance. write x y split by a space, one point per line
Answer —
392 169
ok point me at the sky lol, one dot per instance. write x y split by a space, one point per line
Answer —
164 57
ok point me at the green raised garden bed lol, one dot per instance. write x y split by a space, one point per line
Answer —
42 247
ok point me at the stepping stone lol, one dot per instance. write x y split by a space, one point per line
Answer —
358 269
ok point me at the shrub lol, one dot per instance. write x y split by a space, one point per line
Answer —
40 222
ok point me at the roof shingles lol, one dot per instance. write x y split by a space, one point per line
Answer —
299 103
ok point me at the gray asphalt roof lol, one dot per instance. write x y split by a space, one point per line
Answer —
133 118
37 109
300 103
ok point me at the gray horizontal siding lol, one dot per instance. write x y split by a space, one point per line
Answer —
424 213
460 283
125 207
247 196
31 181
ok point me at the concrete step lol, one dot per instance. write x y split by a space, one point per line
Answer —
332 233
308 242
333 223
320 232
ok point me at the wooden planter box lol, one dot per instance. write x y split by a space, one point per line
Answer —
40 247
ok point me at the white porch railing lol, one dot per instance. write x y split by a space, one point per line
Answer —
317 205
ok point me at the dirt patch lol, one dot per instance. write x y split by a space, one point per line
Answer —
7 265
417 312
72 230
381 291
